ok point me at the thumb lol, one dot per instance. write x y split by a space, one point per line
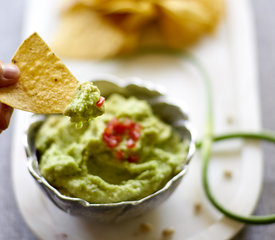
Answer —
9 74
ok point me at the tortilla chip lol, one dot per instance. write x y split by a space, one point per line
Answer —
184 22
45 84
70 4
125 6
85 34
126 14
128 23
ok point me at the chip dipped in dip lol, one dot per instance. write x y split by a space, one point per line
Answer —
125 154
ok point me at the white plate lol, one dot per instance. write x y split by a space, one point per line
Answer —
229 56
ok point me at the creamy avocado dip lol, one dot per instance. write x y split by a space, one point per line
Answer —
125 154
86 104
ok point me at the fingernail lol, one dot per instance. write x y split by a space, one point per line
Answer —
10 71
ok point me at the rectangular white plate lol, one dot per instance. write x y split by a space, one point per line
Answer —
229 57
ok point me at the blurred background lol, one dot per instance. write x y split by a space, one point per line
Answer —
12 12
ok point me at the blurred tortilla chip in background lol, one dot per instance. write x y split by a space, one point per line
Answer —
184 22
97 29
83 33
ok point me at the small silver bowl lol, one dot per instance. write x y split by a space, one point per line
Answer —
114 212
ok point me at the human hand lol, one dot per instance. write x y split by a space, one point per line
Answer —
9 74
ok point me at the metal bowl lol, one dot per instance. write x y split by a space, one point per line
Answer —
112 212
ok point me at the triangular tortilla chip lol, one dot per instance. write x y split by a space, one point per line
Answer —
45 84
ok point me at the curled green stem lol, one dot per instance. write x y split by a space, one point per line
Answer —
267 219
206 149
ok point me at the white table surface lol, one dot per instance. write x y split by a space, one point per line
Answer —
11 14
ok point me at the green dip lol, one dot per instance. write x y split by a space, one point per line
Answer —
84 105
80 163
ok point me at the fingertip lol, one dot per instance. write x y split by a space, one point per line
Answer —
9 74
10 71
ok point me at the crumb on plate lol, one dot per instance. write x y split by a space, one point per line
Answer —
227 174
145 227
168 232
230 120
197 208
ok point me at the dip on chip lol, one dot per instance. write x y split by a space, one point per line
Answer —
86 104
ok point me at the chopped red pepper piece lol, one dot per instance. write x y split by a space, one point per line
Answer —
119 128
106 137
115 131
108 132
131 143
112 141
100 102
134 135
133 158
128 123
137 127
119 154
